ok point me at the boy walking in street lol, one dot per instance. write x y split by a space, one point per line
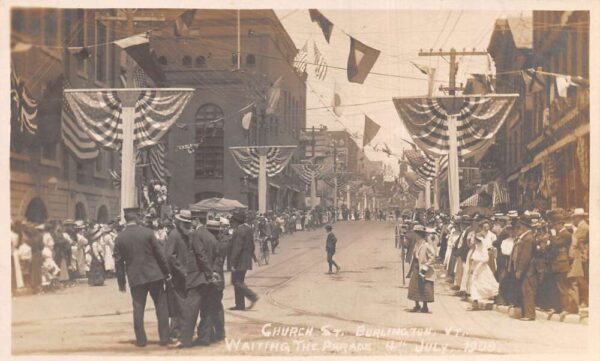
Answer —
330 248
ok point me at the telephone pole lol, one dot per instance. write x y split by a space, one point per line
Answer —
453 65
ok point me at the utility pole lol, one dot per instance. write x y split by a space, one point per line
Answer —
453 65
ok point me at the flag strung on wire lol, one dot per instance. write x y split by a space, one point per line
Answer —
99 113
500 194
248 158
320 64
336 102
274 96
138 48
74 135
534 81
430 72
247 120
424 164
371 130
326 26
301 59
360 61
483 83
478 119
183 23
308 171
24 108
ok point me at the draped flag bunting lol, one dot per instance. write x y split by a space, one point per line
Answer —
99 113
138 48
371 130
301 59
343 178
324 23
320 64
247 158
156 157
308 171
478 119
23 107
74 135
360 61
424 164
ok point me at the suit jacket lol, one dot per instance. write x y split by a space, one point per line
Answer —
330 243
138 254
200 253
176 252
424 255
241 249
522 254
558 253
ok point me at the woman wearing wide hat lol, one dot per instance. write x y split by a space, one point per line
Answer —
421 273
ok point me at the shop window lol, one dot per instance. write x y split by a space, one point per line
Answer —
186 61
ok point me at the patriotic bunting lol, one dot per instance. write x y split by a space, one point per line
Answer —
74 136
99 114
324 23
247 158
478 119
371 130
320 64
360 61
308 171
301 59
23 107
424 164
472 201
156 157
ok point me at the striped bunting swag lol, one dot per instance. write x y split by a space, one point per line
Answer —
477 119
424 164
74 136
156 157
24 107
472 201
100 114
307 171
342 180
247 158
500 195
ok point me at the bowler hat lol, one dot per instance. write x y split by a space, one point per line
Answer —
185 215
238 216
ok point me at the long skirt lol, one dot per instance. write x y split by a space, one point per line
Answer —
109 261
96 275
510 290
458 272
483 283
64 270
419 289
465 282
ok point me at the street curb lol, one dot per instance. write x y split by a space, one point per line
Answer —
515 312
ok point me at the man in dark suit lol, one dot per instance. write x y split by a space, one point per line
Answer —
176 251
138 255
522 264
199 275
239 260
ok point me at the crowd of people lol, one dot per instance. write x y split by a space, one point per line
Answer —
529 260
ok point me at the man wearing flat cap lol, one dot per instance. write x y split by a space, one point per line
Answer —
138 255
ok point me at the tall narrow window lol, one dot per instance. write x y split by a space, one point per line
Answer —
101 51
209 135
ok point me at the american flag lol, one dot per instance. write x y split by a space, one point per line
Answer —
99 113
320 64
156 156
478 119
247 158
501 195
308 171
301 59
472 201
24 107
342 179
424 164
74 136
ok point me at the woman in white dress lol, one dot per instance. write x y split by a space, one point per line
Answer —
483 285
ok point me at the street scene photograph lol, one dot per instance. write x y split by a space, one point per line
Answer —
298 181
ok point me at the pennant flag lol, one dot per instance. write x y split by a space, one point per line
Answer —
563 83
320 64
336 102
247 120
301 59
274 96
183 23
73 135
360 61
99 113
430 72
325 25
477 120
138 48
308 171
534 82
371 130
247 158
79 52
24 108
156 157
484 83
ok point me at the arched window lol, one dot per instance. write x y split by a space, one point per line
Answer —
209 135
162 60
200 60
186 61
36 211
102 216
80 213
250 59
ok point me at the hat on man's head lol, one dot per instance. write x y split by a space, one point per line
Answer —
68 222
238 216
419 228
557 215
131 210
579 212
531 219
79 224
513 214
184 215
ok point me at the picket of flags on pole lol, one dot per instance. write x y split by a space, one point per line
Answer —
320 64
370 131
326 26
301 59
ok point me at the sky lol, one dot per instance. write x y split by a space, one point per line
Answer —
399 35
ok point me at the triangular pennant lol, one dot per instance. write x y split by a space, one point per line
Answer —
138 48
325 25
247 120
360 61
371 129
